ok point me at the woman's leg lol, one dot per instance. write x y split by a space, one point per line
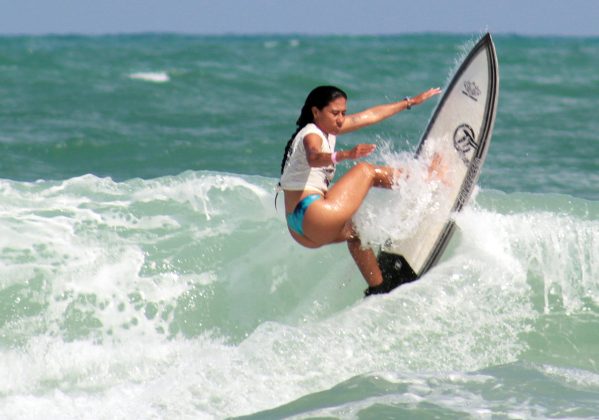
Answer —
326 220
329 220
366 262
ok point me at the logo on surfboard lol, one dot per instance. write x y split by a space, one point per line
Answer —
464 141
471 90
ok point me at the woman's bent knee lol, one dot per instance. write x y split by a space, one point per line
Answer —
366 168
379 176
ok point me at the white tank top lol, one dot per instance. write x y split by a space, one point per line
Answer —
298 175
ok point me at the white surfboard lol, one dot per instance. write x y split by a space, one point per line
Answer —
459 132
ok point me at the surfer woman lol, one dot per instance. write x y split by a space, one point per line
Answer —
316 214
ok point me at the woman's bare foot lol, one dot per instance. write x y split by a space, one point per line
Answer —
438 169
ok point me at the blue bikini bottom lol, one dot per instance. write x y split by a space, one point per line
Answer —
296 219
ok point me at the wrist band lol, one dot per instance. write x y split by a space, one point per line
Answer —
408 100
334 158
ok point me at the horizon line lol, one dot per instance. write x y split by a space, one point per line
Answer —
289 34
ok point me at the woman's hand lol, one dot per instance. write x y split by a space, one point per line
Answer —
418 99
360 151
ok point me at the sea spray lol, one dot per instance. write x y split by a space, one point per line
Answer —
396 214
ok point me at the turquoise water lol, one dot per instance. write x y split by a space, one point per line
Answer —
144 272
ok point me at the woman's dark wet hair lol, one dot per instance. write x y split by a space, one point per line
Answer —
320 97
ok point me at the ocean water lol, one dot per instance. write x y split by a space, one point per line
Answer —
145 273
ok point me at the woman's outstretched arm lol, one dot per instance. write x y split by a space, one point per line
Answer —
379 113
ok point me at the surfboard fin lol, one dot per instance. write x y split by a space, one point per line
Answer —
396 271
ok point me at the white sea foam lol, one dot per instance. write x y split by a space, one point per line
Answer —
575 377
184 297
156 77
271 44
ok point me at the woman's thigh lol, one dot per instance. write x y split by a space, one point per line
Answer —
328 220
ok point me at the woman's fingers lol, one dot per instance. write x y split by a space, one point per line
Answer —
418 99
362 150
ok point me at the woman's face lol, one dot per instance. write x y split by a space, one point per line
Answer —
330 119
